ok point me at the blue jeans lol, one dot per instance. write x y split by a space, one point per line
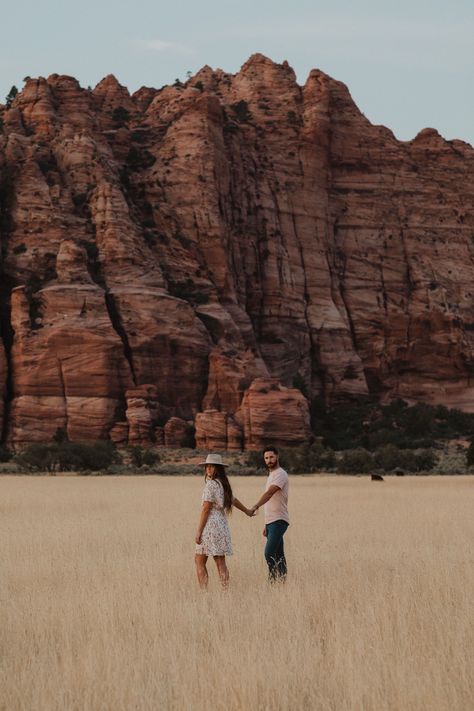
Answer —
274 553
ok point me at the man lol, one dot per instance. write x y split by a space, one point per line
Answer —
275 502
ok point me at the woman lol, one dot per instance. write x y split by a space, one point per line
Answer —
213 533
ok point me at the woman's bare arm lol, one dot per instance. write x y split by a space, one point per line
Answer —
239 505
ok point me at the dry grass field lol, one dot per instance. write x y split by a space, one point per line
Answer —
100 609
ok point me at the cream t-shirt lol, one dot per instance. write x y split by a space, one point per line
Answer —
276 509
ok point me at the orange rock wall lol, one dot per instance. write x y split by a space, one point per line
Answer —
190 254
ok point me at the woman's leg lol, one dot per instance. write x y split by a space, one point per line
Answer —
222 570
201 570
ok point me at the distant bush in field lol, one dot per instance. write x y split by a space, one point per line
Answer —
425 460
37 457
356 461
451 464
470 454
390 457
143 457
370 425
255 460
5 454
67 456
85 455
307 458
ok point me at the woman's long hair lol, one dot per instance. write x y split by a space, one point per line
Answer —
221 476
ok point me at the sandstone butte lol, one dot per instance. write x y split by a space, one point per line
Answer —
185 257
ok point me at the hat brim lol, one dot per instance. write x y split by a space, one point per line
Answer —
214 464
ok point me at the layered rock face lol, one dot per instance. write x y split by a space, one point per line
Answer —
201 255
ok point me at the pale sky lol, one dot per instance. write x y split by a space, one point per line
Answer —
408 64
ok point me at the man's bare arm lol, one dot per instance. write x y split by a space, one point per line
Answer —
266 496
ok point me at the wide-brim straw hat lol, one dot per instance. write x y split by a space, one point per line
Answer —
214 459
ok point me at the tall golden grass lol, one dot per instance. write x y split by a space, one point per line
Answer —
100 608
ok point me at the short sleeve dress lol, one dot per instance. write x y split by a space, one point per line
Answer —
215 539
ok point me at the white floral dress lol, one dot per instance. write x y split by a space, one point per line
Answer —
215 539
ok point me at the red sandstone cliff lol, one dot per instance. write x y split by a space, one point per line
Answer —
184 257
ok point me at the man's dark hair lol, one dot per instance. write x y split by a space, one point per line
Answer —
270 449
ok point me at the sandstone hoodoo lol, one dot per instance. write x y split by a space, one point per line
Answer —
205 259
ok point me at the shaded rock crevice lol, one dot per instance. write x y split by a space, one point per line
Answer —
6 343
117 324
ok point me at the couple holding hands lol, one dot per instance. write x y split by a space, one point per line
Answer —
213 533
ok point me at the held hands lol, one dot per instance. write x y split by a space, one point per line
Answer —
248 512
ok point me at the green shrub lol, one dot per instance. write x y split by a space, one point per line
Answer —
343 426
307 458
320 457
38 457
459 422
143 457
425 460
5 454
470 454
390 457
451 464
241 110
67 456
293 459
356 461
255 460
150 458
87 455
370 425
120 115
418 420
11 96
